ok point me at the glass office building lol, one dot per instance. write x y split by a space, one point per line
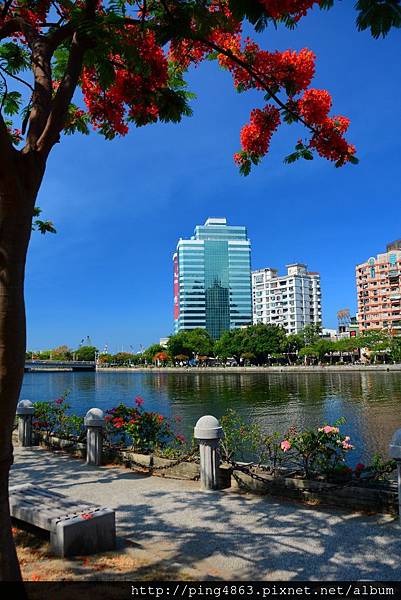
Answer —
212 279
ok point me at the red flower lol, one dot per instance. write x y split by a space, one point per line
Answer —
282 8
256 135
139 401
315 105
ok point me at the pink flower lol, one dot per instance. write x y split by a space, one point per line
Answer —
139 401
59 401
285 445
180 438
329 429
346 445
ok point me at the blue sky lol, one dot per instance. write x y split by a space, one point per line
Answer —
120 207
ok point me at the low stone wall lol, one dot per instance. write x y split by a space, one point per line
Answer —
77 449
182 470
367 496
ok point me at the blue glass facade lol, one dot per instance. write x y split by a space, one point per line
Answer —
213 279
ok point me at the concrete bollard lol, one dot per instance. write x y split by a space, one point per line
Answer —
208 433
25 412
94 423
395 453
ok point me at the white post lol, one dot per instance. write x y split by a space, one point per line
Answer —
94 423
208 433
25 412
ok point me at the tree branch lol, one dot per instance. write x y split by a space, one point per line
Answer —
6 147
58 36
6 8
5 91
43 89
16 78
12 26
257 77
62 98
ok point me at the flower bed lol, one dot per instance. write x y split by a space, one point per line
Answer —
362 495
309 465
132 436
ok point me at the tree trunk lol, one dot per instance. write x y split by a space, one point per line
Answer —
20 177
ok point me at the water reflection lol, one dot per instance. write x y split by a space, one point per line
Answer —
371 402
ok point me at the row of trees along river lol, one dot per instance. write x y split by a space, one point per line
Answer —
254 345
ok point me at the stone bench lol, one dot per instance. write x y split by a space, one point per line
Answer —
76 527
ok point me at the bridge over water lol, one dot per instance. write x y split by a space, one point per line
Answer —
59 365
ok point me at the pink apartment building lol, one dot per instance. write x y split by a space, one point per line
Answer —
378 283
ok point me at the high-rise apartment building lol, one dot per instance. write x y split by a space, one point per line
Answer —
292 300
378 283
212 279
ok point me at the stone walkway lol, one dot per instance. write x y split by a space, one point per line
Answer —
223 535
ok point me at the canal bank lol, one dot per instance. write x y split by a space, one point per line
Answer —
265 369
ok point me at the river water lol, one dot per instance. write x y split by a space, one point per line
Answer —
370 401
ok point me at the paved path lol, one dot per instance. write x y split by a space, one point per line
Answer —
223 535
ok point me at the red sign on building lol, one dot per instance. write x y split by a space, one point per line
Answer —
176 289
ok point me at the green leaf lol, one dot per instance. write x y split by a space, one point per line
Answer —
60 60
307 154
291 158
289 117
245 168
173 105
12 103
105 73
379 16
253 11
44 226
77 121
353 159
14 57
